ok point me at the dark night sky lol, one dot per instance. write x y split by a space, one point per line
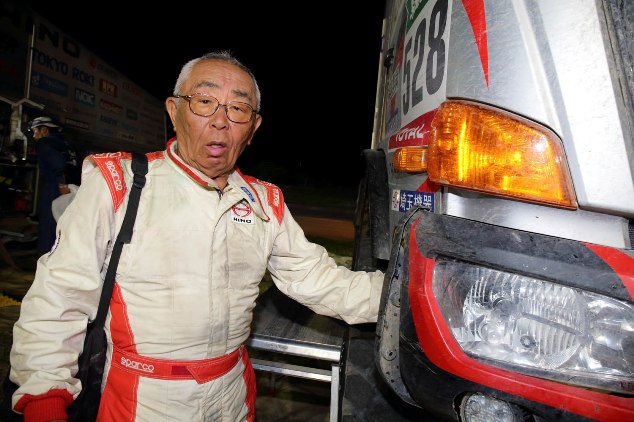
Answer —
316 66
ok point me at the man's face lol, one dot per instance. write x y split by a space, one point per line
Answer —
39 132
213 144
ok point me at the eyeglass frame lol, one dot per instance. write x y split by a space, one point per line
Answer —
189 97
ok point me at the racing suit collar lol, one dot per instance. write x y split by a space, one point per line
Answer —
198 176
236 185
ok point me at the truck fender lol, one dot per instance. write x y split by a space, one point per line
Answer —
372 237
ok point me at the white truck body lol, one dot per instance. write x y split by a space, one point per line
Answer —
499 199
551 62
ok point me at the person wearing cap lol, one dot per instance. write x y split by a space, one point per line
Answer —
52 150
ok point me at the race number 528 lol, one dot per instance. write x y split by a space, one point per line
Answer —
424 58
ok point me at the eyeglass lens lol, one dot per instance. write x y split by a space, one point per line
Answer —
206 105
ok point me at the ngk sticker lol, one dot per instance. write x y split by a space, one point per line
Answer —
242 213
404 200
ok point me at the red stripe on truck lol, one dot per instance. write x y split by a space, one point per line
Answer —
622 264
477 18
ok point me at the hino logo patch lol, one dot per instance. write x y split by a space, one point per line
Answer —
242 213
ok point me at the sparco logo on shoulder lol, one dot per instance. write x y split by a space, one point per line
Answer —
128 363
116 179
276 197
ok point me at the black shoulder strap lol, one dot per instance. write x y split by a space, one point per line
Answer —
139 168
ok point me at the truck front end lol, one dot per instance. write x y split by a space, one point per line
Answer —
506 139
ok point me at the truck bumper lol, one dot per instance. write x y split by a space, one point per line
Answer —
421 360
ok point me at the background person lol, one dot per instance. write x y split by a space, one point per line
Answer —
186 285
56 161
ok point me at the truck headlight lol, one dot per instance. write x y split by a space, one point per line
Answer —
537 327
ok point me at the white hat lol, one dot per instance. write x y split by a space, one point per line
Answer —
43 121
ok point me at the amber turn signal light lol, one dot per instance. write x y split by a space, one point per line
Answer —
485 149
410 159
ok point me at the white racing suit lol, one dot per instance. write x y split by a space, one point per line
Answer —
185 292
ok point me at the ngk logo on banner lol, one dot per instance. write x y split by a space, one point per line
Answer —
107 87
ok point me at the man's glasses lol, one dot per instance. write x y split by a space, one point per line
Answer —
205 105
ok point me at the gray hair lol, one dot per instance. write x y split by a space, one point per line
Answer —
224 56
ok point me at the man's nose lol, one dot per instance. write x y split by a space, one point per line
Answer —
219 119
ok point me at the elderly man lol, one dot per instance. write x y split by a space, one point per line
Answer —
187 283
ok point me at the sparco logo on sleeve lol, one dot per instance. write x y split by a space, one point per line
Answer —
128 363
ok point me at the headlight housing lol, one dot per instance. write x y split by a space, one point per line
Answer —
537 327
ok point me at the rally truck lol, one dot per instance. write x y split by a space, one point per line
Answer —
498 198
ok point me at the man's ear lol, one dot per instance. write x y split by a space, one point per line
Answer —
258 122
170 106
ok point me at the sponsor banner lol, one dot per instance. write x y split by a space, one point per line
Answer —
78 124
111 107
47 83
85 114
52 103
108 87
131 100
84 97
72 83
132 88
109 120
84 77
106 131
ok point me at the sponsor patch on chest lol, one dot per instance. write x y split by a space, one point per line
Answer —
242 213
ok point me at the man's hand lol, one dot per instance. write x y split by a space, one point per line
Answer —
63 189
